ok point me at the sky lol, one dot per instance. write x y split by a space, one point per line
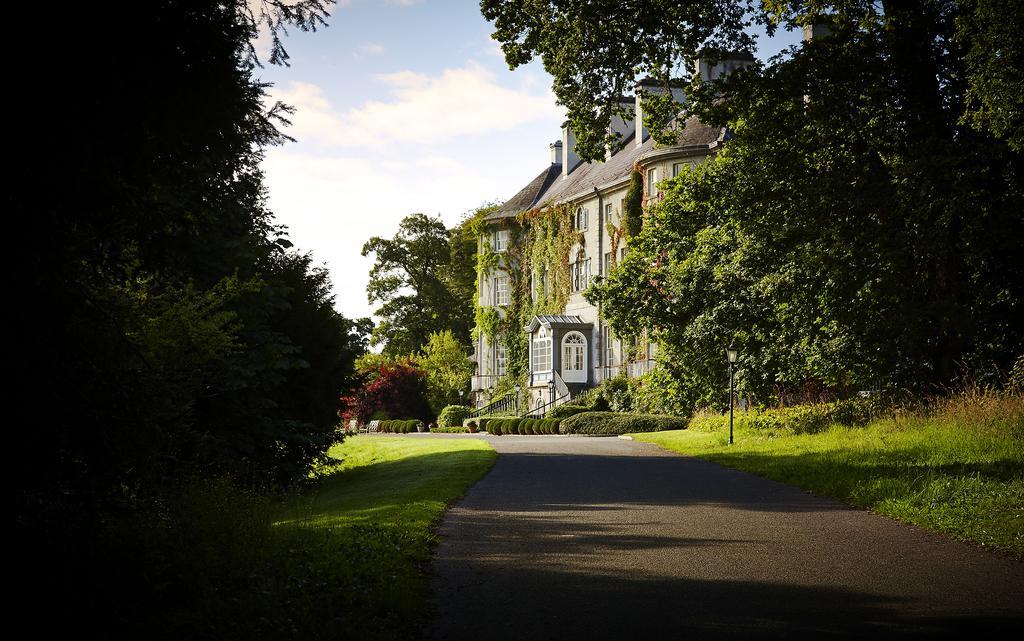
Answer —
402 106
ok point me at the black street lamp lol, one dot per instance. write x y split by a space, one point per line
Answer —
731 355
551 391
517 399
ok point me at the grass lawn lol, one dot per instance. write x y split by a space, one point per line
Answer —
367 533
959 470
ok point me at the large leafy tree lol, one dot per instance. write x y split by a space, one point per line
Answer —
853 231
419 289
170 334
448 369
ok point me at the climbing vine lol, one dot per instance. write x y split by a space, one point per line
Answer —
537 263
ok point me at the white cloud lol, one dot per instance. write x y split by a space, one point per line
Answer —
332 205
423 109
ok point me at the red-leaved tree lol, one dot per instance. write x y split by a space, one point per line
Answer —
395 389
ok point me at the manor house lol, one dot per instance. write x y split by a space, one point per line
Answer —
574 350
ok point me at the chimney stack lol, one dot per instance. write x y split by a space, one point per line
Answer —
556 152
651 86
569 157
712 65
623 126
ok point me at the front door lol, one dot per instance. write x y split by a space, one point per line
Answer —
574 358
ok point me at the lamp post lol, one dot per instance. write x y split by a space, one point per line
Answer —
551 391
461 392
517 398
730 355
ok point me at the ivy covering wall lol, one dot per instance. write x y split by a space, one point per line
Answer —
537 263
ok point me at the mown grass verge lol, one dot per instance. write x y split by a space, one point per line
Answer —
957 467
374 516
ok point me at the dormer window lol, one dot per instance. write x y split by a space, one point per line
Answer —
499 240
581 219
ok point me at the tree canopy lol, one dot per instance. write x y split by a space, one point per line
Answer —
857 229
170 332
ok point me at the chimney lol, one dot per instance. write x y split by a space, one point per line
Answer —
651 86
622 126
569 159
556 152
712 65
816 31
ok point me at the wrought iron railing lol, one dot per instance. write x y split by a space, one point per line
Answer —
542 410
504 403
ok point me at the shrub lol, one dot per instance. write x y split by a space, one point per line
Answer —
452 416
493 425
798 419
613 423
550 425
451 430
512 426
565 411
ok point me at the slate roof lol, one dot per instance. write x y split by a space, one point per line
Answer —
549 186
556 321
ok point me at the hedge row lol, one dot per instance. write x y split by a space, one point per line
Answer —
614 423
453 415
403 426
565 411
450 430
799 419
499 426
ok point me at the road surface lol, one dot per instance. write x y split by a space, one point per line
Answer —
602 538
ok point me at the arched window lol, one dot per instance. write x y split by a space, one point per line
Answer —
574 358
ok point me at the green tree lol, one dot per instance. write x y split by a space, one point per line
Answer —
425 280
852 230
448 369
171 335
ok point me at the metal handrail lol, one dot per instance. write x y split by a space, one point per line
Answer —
500 404
540 412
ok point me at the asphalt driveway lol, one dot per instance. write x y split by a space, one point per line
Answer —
601 538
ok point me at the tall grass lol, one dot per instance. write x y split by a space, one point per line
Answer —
954 464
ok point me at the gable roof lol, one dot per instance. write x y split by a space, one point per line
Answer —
556 321
551 187
528 196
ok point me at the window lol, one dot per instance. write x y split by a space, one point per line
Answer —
622 254
607 263
652 181
579 275
609 347
501 296
581 219
500 359
499 240
677 168
608 213
574 358
540 352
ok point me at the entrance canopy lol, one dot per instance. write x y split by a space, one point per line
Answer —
558 321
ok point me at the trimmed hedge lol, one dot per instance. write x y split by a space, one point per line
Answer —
614 423
565 411
452 416
400 426
504 426
799 419
451 430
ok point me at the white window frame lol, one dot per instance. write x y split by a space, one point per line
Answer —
499 240
500 359
574 357
608 213
540 352
501 291
652 182
581 222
